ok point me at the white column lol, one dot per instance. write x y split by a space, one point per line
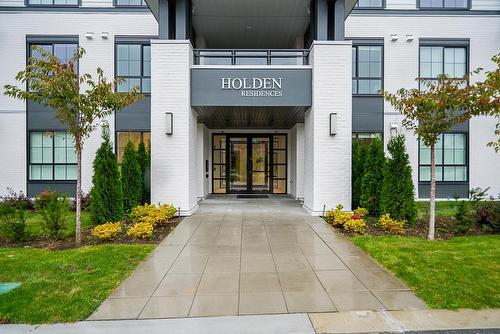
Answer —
173 157
327 170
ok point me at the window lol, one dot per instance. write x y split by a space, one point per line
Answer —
133 63
370 4
451 159
135 137
437 60
63 51
60 3
219 164
52 156
366 69
444 4
279 164
130 3
366 136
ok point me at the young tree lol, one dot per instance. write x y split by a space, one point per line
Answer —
106 197
397 196
431 111
78 100
371 183
359 152
131 178
143 159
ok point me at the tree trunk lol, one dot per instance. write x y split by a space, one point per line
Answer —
432 210
78 196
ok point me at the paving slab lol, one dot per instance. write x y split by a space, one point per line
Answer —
232 254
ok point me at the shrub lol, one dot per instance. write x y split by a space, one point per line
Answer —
107 231
141 230
17 200
54 213
371 183
131 178
359 150
488 214
355 225
361 212
106 202
337 217
144 163
397 196
151 214
13 225
43 198
390 225
464 216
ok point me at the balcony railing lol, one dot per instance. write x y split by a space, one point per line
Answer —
251 57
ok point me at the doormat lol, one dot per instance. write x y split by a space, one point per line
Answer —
252 196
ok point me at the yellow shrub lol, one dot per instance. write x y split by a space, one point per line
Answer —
141 230
149 213
391 225
361 212
107 231
337 216
355 225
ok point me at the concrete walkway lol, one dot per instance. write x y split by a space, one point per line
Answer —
435 321
257 256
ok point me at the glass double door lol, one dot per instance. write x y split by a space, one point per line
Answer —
249 164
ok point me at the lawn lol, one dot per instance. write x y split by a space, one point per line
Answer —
443 208
34 221
460 273
64 285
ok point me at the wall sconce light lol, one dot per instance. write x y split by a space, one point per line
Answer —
393 129
394 37
333 124
169 123
410 38
89 35
104 35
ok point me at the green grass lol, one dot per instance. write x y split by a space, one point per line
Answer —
460 273
443 208
34 221
65 285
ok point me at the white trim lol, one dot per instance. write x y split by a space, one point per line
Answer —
184 213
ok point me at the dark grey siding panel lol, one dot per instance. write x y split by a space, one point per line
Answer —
368 114
68 188
444 190
42 118
462 127
135 117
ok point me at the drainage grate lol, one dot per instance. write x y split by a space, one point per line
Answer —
252 196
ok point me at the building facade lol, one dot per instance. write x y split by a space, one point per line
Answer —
252 96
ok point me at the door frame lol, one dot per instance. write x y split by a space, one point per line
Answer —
249 137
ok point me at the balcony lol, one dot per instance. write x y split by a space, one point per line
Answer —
280 57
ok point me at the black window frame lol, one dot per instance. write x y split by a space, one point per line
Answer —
443 165
144 5
447 44
382 6
53 5
356 78
469 6
142 76
53 164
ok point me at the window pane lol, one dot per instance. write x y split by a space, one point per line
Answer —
219 142
279 186
47 155
134 68
354 62
279 142
46 172
36 155
35 172
449 174
460 173
375 86
60 172
355 86
135 52
122 68
425 173
121 49
146 85
363 86
71 156
36 139
47 139
425 155
71 172
60 155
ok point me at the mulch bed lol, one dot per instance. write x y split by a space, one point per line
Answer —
160 232
446 229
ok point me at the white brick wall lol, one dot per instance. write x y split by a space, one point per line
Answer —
328 181
401 65
14 26
173 157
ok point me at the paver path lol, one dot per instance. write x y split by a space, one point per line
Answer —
254 256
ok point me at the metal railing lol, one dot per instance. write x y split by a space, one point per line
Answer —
251 57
